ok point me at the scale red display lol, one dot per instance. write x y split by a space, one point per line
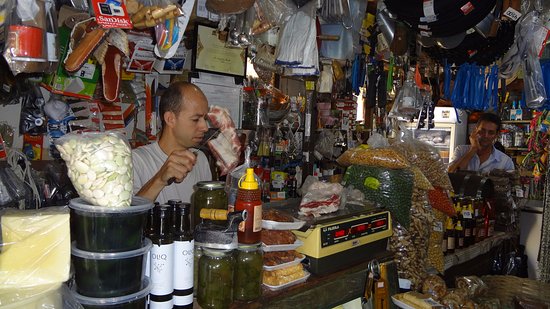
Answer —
353 229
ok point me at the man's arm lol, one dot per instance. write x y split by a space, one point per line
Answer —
151 189
462 162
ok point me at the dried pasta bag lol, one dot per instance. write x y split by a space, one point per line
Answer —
99 165
472 284
435 253
381 157
427 158
440 200
390 188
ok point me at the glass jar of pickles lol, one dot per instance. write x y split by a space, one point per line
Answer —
247 280
215 281
208 194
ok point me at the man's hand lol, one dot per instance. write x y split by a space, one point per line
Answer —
474 140
177 166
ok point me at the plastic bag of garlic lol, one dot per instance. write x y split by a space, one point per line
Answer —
99 165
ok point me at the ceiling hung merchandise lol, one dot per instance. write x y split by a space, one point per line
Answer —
460 31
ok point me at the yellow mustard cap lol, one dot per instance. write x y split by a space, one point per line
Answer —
249 182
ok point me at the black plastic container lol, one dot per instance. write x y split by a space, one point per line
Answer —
136 300
108 229
103 275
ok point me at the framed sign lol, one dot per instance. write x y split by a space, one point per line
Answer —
211 55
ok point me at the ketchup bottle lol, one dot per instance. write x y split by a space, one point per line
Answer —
249 198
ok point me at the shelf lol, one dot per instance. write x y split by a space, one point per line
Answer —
516 121
462 255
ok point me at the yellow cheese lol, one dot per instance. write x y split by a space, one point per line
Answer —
36 247
43 296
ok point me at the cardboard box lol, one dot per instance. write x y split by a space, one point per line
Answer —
81 84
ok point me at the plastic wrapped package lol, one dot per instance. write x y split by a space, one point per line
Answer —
391 188
232 181
50 296
440 200
435 253
382 157
100 167
35 248
276 12
411 245
420 181
473 285
435 286
425 157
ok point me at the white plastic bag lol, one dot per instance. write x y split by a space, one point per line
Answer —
100 167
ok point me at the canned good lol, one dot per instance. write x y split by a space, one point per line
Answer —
215 281
506 139
248 272
519 139
208 194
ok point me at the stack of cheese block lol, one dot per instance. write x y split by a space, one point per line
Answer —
34 257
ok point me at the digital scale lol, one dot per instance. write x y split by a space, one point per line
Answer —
353 234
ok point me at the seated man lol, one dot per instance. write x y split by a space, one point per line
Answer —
481 155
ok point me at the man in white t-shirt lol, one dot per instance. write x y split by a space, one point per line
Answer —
183 110
481 155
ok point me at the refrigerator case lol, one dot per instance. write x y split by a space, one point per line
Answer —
448 132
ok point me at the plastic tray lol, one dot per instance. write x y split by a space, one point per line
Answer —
284 265
272 248
275 225
291 283
400 304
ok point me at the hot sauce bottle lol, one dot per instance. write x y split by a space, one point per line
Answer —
249 198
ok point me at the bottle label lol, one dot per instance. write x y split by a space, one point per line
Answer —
183 265
257 224
467 232
444 245
438 226
161 304
466 214
162 269
460 242
450 243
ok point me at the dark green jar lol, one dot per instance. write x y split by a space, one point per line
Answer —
247 280
208 194
216 269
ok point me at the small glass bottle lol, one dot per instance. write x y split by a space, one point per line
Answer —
215 280
248 272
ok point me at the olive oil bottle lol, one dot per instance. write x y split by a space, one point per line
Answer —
162 259
184 250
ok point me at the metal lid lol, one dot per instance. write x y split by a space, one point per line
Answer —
211 185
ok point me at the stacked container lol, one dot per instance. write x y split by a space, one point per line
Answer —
109 254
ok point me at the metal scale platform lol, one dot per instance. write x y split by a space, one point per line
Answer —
338 240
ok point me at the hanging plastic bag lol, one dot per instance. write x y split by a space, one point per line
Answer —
25 48
232 180
99 166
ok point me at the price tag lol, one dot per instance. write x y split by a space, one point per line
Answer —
467 214
512 13
310 85
87 71
438 226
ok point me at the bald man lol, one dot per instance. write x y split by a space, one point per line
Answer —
183 110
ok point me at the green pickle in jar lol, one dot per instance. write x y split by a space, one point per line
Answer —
208 194
248 272
215 278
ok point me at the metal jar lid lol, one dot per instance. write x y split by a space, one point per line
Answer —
211 185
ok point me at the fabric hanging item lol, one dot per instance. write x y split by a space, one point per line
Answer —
544 253
297 49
